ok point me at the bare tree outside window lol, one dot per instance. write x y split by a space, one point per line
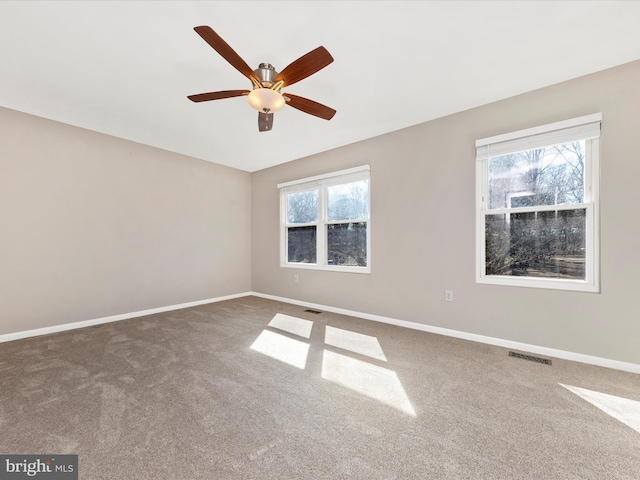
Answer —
535 240
302 208
301 244
348 201
347 241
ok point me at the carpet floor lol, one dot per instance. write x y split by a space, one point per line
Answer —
256 389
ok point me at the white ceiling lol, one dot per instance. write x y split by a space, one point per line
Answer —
126 68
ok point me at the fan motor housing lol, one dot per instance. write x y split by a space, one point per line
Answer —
266 73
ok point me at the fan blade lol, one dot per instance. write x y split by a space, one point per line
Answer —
223 48
309 106
205 97
265 121
306 65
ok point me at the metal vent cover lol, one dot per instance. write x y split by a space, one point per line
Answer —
531 358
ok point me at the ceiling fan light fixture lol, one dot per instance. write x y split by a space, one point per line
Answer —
266 96
266 100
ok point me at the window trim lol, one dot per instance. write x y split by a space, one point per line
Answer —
582 128
321 183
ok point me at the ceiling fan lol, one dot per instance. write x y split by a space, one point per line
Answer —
266 96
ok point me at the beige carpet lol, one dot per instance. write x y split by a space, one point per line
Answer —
255 389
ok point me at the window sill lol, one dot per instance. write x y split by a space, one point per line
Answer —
547 283
329 268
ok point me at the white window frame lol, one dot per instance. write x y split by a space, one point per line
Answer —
585 128
321 183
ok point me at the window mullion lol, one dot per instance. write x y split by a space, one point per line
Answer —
349 220
321 234
540 208
293 225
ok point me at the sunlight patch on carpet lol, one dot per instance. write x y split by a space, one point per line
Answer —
354 342
367 379
295 325
623 409
287 350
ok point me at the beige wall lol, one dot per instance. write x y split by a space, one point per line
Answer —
94 226
423 235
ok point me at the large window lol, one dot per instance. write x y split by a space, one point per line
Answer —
324 221
537 206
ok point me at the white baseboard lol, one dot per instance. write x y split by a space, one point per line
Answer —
551 352
114 318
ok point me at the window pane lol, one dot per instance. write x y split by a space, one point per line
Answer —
302 207
301 244
541 176
348 201
537 244
347 244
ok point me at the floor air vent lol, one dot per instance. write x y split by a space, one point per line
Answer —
312 311
531 358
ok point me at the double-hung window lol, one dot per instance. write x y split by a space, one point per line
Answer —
537 206
324 221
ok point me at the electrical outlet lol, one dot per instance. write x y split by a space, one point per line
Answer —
448 295
295 279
